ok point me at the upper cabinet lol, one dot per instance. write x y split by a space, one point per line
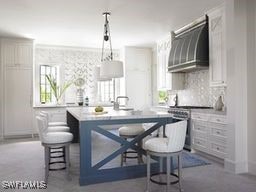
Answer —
166 80
217 47
17 53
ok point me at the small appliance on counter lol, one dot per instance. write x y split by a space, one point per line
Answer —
173 100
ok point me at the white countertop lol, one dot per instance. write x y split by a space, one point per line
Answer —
87 114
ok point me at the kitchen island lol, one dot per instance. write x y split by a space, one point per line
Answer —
86 121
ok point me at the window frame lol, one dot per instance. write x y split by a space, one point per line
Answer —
51 98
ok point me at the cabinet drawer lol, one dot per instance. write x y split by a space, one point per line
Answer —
218 119
217 150
199 126
200 144
218 132
199 116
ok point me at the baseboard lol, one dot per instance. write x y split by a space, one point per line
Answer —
236 167
252 167
20 136
208 156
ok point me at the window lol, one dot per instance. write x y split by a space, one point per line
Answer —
45 88
105 90
162 97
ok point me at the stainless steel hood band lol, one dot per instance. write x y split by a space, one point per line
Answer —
200 21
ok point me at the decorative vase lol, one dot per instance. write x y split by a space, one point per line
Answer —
219 104
80 96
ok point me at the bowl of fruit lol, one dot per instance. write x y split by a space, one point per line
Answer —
99 110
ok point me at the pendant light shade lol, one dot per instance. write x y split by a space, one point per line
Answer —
98 77
109 68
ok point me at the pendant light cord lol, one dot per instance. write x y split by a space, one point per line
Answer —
106 37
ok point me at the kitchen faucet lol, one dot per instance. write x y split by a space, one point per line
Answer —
116 103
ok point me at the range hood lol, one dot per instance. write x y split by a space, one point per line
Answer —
190 47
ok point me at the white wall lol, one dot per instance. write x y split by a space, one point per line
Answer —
251 70
1 96
241 92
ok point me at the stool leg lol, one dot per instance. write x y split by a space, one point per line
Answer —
67 160
140 160
168 171
47 162
160 168
179 171
122 159
148 172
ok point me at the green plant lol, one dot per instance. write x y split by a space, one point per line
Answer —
58 91
162 96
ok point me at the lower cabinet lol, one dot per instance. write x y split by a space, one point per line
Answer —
209 134
18 110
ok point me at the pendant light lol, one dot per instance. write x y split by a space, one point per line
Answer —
109 68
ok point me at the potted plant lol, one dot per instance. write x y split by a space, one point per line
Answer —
58 91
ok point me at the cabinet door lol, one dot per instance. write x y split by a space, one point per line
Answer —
9 54
217 49
18 110
17 54
24 54
138 76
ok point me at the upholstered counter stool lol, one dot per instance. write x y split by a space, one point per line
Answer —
56 123
53 140
167 147
130 132
57 152
54 126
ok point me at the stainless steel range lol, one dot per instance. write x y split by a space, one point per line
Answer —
184 113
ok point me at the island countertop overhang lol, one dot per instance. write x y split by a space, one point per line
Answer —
87 114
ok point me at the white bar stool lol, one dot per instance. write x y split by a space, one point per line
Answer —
53 140
54 126
167 147
60 127
130 132
57 123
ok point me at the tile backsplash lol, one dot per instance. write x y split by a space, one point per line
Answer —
197 91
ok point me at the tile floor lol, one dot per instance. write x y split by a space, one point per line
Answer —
23 160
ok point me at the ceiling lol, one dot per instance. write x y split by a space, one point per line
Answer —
80 22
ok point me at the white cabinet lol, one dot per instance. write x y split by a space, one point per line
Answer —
217 54
17 53
138 62
209 134
166 80
16 87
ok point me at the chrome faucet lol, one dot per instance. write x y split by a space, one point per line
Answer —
116 103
